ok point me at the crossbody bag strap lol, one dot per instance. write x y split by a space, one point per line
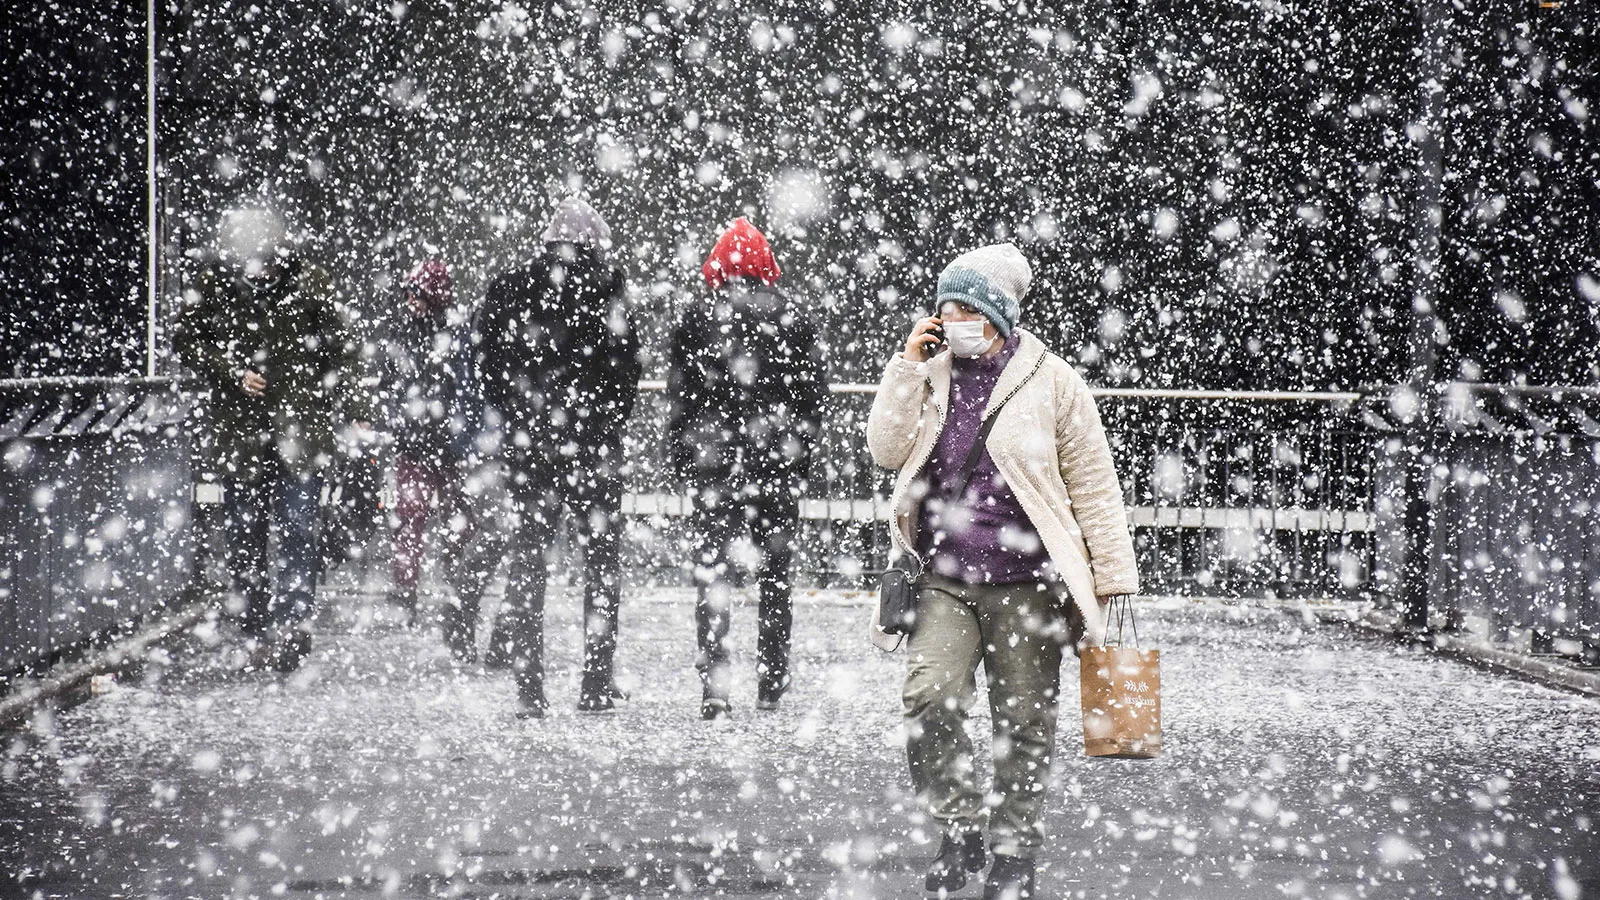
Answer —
973 455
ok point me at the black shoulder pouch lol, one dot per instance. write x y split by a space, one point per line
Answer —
897 596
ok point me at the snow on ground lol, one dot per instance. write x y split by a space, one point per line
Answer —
1301 760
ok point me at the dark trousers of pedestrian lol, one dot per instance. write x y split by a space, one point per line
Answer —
720 518
427 488
276 516
590 501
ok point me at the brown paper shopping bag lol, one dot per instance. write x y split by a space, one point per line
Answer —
1121 694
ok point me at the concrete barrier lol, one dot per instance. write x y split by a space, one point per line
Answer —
95 508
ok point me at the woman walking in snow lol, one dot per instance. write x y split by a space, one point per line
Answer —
1007 496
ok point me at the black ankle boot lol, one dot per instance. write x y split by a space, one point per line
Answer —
599 695
714 684
499 655
957 858
714 706
531 703
292 650
1011 879
770 690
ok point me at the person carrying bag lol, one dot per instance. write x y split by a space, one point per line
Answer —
1015 564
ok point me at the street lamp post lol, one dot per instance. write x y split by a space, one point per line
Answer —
152 237
1422 444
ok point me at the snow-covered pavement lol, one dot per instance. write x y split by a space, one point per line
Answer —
1301 760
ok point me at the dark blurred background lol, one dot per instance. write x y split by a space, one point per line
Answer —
1229 195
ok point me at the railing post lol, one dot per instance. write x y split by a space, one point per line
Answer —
1415 584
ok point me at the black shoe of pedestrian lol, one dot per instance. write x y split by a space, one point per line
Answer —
498 656
596 703
770 691
956 860
599 697
261 654
713 708
292 651
530 706
1011 878
461 640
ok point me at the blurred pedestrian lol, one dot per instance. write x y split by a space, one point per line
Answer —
558 361
275 356
745 381
1007 496
430 401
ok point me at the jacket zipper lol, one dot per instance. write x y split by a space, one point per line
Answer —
935 444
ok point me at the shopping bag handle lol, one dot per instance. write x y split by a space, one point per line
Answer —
1123 604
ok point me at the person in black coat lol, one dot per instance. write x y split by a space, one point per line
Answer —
746 385
558 360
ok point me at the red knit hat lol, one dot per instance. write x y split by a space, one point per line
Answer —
431 281
741 251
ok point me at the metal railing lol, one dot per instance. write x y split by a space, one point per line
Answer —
1511 550
1246 493
1242 493
1228 492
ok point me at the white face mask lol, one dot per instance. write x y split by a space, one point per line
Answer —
966 339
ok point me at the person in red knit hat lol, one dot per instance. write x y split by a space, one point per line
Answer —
746 385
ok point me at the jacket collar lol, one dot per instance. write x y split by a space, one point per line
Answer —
1030 352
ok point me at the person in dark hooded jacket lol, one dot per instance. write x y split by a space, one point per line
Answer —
746 385
430 400
558 360
275 356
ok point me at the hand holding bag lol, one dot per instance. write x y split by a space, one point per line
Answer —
1121 694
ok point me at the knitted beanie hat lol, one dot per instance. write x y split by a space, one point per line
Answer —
742 251
992 280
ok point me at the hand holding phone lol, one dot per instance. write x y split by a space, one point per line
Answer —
926 340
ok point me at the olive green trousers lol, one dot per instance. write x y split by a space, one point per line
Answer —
1017 632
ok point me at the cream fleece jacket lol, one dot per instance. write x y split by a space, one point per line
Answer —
1049 446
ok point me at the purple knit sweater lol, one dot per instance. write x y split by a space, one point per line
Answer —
986 538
